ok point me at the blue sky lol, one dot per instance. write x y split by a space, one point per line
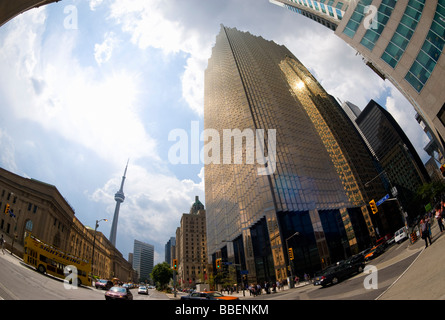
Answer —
87 85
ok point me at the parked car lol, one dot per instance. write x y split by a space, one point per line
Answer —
143 290
384 240
400 235
103 284
340 271
356 263
118 293
207 295
375 252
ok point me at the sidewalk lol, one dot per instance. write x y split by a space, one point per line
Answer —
424 279
246 292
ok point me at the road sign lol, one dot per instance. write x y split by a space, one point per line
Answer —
227 263
244 272
382 200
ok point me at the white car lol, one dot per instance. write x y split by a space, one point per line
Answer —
143 290
400 235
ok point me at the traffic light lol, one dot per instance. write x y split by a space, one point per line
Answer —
373 207
175 264
7 208
291 254
442 169
218 263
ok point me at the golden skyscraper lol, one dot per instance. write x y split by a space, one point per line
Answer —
259 93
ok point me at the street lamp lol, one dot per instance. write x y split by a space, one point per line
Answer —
94 241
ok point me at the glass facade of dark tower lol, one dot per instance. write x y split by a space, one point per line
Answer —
316 185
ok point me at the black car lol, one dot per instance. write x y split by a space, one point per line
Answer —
340 271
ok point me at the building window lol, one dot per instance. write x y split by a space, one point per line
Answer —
28 225
431 51
402 36
356 18
384 13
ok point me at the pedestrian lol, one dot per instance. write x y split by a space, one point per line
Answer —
425 232
439 215
2 243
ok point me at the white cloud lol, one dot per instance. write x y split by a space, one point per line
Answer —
403 112
7 154
103 51
149 26
49 86
94 4
150 211
335 65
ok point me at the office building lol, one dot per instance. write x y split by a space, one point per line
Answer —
143 260
402 41
170 248
400 161
191 249
312 197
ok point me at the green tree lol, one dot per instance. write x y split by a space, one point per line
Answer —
431 192
161 274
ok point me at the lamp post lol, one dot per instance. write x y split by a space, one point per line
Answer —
291 285
94 241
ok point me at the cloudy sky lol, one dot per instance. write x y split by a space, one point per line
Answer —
87 85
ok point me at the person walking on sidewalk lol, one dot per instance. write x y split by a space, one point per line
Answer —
425 232
439 216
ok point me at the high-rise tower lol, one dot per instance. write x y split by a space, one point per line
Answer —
322 165
119 197
143 259
402 41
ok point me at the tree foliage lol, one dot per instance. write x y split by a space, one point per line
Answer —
161 274
431 192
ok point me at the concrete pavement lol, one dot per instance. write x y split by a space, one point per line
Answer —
425 278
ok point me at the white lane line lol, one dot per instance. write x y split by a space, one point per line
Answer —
400 275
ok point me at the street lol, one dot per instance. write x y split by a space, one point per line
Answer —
20 282
350 289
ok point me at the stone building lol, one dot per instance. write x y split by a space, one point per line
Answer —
191 247
40 209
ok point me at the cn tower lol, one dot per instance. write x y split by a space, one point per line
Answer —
119 197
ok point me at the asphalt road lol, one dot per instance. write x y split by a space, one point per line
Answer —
390 265
20 282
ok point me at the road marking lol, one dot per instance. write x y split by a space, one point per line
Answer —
400 275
